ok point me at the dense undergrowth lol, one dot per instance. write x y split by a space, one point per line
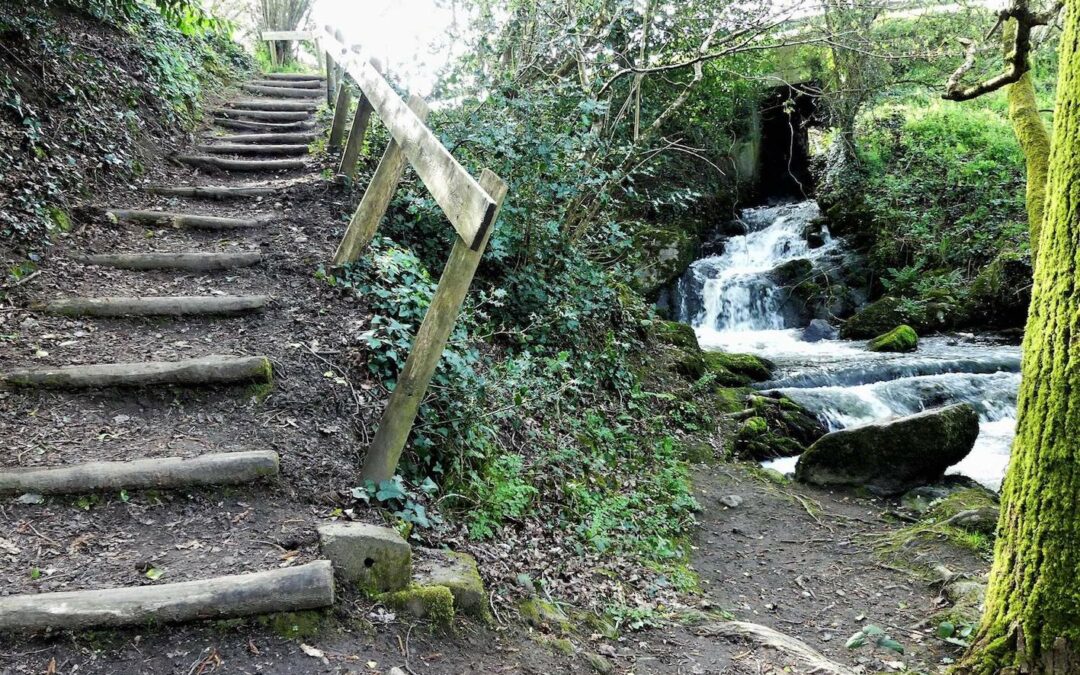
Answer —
83 86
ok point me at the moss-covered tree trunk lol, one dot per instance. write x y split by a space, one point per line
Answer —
1034 141
1032 618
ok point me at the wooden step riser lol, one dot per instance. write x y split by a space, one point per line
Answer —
183 220
265 149
284 92
229 468
191 262
155 306
264 115
298 138
293 76
263 127
296 84
292 589
210 370
273 104
241 165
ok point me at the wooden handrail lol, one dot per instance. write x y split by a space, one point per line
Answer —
287 35
470 209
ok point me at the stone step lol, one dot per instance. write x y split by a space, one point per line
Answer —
264 115
210 305
192 262
299 84
277 150
215 369
213 191
226 468
272 139
185 220
272 104
293 76
248 125
284 92
291 589
241 165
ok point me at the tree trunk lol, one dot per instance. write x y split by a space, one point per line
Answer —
1032 618
1034 141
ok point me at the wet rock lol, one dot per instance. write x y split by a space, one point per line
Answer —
889 458
900 339
736 370
818 330
775 426
792 272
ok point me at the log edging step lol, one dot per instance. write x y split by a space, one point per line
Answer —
215 305
245 165
179 220
194 262
252 149
246 125
309 586
223 468
264 115
215 369
284 92
305 105
293 76
304 137
212 191
299 84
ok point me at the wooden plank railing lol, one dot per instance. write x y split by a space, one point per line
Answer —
273 36
471 206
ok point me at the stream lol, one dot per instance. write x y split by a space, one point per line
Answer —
735 305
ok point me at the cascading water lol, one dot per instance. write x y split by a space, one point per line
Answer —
735 304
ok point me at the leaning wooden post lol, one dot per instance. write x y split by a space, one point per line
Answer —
351 156
377 197
329 79
397 420
341 114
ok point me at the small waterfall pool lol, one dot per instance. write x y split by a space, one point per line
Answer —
735 305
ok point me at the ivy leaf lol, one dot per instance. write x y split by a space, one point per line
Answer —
891 644
855 641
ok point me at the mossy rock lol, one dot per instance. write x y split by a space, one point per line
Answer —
1001 292
543 614
792 272
746 367
434 603
458 572
775 426
890 458
973 509
731 399
296 625
664 251
698 452
677 334
877 318
900 339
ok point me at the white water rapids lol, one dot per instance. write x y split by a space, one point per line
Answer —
735 306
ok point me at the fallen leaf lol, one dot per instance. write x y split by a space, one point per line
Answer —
312 651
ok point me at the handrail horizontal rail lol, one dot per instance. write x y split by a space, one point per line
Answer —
286 35
468 206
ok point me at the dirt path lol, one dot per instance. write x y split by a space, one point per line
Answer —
785 557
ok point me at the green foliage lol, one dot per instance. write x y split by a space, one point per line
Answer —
402 501
871 634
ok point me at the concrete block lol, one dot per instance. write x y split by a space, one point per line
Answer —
374 558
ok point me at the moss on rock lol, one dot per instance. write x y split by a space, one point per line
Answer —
775 426
677 334
434 603
294 625
741 368
543 614
903 338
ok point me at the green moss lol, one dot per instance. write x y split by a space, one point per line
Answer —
59 218
731 399
900 339
543 614
677 334
434 603
737 370
754 426
877 318
698 452
560 645
295 625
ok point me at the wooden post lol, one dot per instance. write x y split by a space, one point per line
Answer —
397 420
341 114
353 146
377 196
329 79
273 52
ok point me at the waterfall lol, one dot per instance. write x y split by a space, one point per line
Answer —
735 303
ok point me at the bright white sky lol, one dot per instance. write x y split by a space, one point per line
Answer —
408 36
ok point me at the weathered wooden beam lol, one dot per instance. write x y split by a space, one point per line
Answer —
213 191
469 209
331 86
291 589
384 452
223 468
263 115
341 114
289 150
287 35
241 165
180 220
376 199
264 127
351 156
293 76
298 84
191 262
297 137
206 305
272 104
200 371
282 92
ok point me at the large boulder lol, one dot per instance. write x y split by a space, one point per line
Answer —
772 425
899 339
889 458
1000 294
818 330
